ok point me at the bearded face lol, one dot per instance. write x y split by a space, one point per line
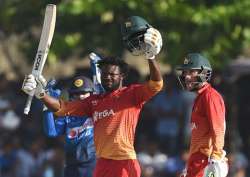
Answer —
190 80
111 77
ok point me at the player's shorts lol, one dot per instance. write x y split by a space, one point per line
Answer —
196 165
117 168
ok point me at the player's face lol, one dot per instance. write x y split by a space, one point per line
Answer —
190 79
111 77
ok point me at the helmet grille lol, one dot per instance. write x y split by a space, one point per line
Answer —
135 43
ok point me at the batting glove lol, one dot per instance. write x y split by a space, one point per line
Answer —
34 86
153 41
216 168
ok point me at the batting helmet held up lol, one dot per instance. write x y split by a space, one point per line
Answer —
133 30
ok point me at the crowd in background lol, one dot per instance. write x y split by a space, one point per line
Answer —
162 136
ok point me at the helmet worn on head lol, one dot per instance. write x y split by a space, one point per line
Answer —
195 61
81 84
133 30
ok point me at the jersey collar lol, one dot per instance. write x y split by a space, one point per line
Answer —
113 93
203 88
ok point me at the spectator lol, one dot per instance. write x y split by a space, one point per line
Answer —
166 110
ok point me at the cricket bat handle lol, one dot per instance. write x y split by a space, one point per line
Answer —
28 105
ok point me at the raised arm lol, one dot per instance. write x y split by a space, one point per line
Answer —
153 40
62 108
154 70
30 85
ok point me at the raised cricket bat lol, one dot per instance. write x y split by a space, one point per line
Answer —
94 58
43 48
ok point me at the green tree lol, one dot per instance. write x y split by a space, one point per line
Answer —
218 29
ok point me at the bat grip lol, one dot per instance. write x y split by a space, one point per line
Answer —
27 105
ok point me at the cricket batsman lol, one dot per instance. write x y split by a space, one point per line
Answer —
116 112
79 132
207 157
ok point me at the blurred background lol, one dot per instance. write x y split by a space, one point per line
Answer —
219 29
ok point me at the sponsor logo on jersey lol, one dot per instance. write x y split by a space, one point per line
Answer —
76 131
103 114
73 133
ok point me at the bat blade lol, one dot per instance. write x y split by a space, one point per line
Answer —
45 39
43 47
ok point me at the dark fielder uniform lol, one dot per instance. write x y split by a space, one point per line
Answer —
79 142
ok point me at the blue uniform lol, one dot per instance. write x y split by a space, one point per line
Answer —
79 142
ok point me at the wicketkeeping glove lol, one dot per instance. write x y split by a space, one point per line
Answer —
216 168
50 88
36 86
153 41
51 91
